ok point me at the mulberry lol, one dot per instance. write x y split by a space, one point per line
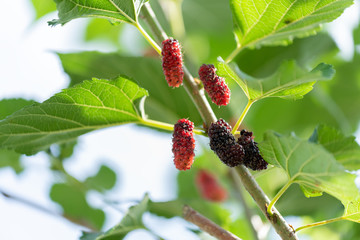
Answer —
183 144
209 187
253 159
223 143
172 62
214 85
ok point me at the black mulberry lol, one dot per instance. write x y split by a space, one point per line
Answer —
223 143
253 159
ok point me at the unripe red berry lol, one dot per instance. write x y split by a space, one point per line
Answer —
214 85
253 159
209 187
172 62
183 144
224 144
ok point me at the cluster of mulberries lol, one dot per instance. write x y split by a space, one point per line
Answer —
214 85
172 62
209 187
224 144
183 144
252 159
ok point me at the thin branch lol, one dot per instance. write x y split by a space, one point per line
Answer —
248 213
150 18
278 222
207 225
45 210
208 116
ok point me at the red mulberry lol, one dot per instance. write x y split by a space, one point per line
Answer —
209 187
224 144
183 144
172 62
214 85
253 159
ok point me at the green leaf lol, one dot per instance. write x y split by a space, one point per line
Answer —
105 179
75 206
163 104
9 106
305 163
89 236
277 22
131 221
85 107
66 149
314 169
114 10
289 81
307 52
43 7
345 149
102 29
167 209
9 158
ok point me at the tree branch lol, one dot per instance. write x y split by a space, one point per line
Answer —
208 116
207 225
277 221
248 213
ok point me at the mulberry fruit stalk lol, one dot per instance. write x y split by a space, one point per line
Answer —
214 85
253 158
183 144
209 187
172 62
224 144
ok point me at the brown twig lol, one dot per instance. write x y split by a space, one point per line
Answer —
207 225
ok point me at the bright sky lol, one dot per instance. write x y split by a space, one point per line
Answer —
30 69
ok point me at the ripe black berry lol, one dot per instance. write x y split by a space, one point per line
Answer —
253 159
223 143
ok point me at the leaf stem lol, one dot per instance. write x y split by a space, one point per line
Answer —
233 54
320 223
166 126
242 116
148 38
277 196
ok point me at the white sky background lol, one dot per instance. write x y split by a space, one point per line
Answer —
29 69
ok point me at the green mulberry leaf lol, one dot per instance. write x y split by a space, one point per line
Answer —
289 81
345 149
113 10
276 22
130 222
314 168
77 110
